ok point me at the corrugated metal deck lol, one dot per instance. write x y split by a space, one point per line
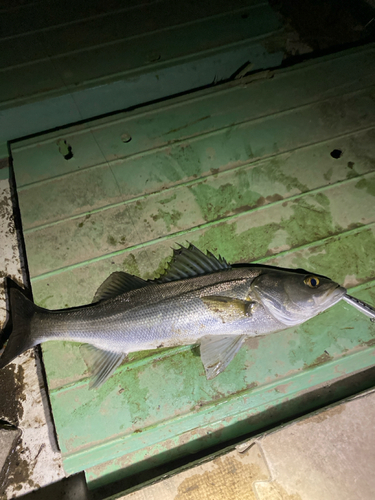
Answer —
69 61
277 169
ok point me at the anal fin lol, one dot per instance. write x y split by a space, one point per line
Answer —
101 363
218 351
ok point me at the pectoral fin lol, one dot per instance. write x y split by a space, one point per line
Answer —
101 363
218 351
228 308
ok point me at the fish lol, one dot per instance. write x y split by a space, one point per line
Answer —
198 299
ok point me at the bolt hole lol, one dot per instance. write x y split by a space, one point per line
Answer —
336 154
126 137
244 16
65 149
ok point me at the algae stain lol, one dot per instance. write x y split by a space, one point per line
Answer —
311 221
87 217
322 199
170 218
135 396
43 302
352 172
168 200
227 198
368 185
235 247
131 265
276 173
352 254
111 240
328 175
184 162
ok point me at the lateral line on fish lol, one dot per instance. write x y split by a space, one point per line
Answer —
187 184
212 133
173 236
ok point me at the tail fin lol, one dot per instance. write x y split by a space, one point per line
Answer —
22 310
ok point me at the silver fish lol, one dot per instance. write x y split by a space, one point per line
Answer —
199 299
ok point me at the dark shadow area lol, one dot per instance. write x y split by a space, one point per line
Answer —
71 488
227 438
328 25
325 26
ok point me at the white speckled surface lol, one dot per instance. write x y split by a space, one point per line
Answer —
34 459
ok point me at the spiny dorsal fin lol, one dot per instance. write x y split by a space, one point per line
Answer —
190 262
218 351
118 283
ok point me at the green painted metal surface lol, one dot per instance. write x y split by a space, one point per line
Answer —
244 170
85 60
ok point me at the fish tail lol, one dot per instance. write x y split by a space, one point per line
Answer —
22 311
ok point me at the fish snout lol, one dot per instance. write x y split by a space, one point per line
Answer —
332 295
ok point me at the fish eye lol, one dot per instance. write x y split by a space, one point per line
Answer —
312 281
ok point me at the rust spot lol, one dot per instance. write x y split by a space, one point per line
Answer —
323 358
261 201
274 197
252 342
283 388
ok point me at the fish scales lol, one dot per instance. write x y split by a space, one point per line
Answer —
169 313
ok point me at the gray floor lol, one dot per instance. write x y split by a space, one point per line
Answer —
329 455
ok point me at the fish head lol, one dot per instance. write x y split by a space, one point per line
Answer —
294 297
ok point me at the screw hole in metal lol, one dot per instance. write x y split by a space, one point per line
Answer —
65 149
336 154
126 137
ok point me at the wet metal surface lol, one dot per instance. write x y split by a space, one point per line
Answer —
249 170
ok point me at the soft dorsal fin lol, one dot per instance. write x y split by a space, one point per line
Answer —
190 262
118 283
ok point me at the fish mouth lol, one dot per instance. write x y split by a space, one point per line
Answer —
331 296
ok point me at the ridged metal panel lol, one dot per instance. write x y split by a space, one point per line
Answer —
65 61
244 170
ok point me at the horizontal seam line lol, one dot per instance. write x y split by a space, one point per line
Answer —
148 243
188 184
195 138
